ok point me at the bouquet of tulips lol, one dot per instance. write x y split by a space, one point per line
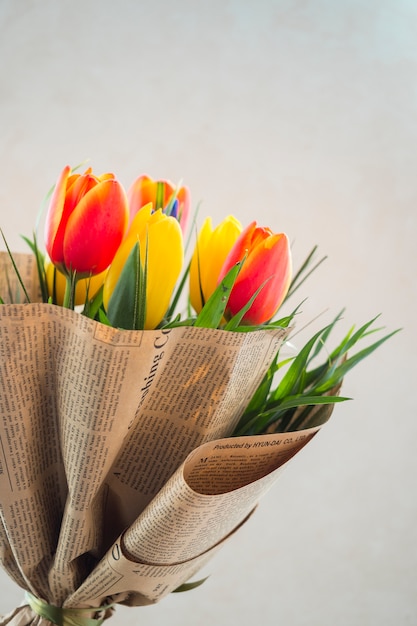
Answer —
142 420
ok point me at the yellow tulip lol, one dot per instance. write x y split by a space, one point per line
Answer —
86 287
161 247
210 253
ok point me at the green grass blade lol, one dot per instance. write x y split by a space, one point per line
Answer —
212 312
302 274
127 305
19 278
40 265
178 293
235 321
258 424
93 305
293 380
341 371
189 586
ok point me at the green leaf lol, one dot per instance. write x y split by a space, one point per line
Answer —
311 415
293 381
19 278
325 336
102 318
193 233
178 321
40 265
349 363
260 396
330 373
189 586
178 293
159 200
235 321
127 305
302 274
212 312
301 396
261 422
92 305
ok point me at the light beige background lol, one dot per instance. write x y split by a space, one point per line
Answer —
302 115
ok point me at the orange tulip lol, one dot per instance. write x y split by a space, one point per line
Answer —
268 263
174 202
86 222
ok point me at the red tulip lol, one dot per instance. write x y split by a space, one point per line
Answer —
268 263
86 222
163 195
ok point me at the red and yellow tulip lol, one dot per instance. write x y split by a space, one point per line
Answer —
174 202
210 253
267 265
161 249
86 222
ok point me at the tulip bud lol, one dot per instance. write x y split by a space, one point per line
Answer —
267 265
174 202
209 255
86 222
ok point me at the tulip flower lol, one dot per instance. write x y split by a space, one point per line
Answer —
85 287
267 264
161 250
174 202
209 256
86 222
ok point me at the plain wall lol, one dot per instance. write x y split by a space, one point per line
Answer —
301 115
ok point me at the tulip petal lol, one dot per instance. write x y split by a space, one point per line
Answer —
268 264
184 199
165 257
249 238
77 187
212 249
197 291
55 221
141 192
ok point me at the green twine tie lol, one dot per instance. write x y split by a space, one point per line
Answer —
65 617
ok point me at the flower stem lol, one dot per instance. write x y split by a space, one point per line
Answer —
69 296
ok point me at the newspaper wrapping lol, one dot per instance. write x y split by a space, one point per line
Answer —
118 476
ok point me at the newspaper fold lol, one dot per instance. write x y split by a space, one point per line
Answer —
118 476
